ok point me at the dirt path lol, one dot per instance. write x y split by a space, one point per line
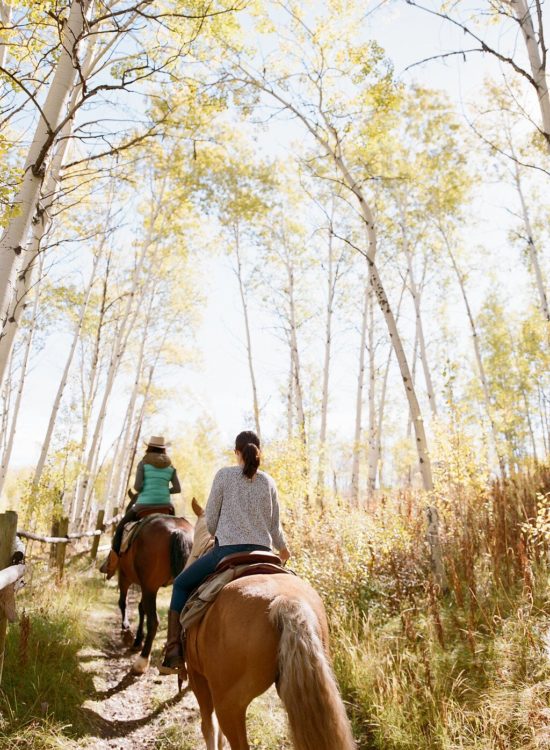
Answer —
129 712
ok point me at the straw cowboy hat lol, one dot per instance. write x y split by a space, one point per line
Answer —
157 441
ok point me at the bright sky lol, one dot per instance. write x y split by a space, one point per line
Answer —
220 387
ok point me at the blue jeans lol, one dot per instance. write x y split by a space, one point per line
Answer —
194 575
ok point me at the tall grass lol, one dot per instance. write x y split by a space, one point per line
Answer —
469 669
43 685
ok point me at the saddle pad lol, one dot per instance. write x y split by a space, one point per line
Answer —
133 528
206 593
127 535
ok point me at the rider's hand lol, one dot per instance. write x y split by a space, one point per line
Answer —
284 554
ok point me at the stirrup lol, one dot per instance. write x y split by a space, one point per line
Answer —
174 664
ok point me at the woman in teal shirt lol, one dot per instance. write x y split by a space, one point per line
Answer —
156 480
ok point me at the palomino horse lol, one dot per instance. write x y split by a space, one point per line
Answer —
261 630
157 554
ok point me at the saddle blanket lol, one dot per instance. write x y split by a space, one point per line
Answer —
204 596
132 528
128 534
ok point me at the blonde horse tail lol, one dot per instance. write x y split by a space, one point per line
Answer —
306 684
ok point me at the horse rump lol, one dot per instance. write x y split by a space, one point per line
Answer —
180 549
306 684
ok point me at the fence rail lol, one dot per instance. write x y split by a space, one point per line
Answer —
70 537
11 575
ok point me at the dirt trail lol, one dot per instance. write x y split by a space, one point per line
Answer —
128 711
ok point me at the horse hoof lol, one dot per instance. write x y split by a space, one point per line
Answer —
141 665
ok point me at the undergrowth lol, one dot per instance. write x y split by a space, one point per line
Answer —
43 685
465 669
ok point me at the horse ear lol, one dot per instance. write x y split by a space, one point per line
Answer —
197 509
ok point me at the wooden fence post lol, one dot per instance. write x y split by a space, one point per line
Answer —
8 530
53 547
99 527
61 550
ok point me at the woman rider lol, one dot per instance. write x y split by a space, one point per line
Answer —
242 514
154 475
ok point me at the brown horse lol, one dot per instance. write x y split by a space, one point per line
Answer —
157 554
261 630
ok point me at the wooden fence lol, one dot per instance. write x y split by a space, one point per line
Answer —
12 559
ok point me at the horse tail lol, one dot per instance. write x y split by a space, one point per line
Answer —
306 684
180 548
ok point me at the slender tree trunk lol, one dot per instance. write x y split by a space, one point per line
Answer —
479 361
14 238
295 356
372 462
415 292
5 16
536 52
42 221
290 401
383 391
65 376
356 458
533 252
6 456
255 402
331 292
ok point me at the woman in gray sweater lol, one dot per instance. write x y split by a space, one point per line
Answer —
242 514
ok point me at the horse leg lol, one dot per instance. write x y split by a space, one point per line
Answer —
149 601
209 725
123 587
136 646
232 718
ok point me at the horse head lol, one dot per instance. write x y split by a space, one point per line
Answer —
202 540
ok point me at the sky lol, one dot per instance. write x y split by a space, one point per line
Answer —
218 387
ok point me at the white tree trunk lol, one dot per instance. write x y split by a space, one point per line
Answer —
5 16
244 303
372 453
479 361
383 391
65 376
331 292
356 457
533 253
295 355
415 293
537 61
14 238
6 456
41 222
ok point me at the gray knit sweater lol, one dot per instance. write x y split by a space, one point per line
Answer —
244 511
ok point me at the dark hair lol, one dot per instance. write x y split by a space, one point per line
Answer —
155 449
248 445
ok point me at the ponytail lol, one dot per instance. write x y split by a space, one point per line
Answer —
248 445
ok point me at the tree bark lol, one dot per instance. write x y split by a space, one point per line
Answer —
533 252
479 361
244 303
356 458
14 238
372 462
5 16
537 61
6 456
41 221
332 278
